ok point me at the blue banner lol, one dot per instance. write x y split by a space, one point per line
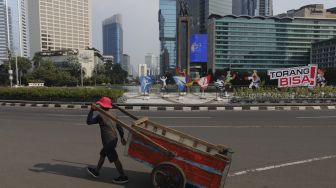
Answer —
180 82
199 48
146 83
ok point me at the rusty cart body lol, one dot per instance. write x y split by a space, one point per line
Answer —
176 158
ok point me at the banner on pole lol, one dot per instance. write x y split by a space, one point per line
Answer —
180 82
295 76
204 82
146 83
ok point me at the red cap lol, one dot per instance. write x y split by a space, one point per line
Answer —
105 102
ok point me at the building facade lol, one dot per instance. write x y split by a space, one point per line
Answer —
126 65
57 25
4 31
19 27
152 63
200 10
167 34
142 70
252 7
87 58
311 11
324 53
113 38
247 43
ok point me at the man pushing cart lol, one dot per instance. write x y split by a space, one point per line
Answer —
176 158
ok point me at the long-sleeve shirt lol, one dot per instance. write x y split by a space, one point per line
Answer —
107 130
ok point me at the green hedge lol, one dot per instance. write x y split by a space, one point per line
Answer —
298 92
58 94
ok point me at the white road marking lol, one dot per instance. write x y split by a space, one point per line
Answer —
66 115
316 117
280 166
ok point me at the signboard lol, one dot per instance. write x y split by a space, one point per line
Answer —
295 76
199 48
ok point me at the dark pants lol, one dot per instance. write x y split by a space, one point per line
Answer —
109 151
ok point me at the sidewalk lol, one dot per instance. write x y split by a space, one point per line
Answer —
175 98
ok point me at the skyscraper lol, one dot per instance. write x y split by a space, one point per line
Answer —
4 37
167 27
19 27
200 10
113 38
57 25
252 7
126 64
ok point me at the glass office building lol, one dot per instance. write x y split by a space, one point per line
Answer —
113 38
167 27
262 43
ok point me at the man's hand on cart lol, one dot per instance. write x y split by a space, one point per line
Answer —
123 141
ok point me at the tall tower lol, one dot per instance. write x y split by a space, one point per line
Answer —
167 27
113 38
252 7
4 31
18 24
59 25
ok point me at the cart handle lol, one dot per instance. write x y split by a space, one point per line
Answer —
132 130
125 112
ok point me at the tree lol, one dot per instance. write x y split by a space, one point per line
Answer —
24 66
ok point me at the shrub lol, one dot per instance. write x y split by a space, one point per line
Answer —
58 94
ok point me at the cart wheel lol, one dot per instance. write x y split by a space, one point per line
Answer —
168 175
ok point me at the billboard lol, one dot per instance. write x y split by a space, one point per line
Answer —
295 76
199 48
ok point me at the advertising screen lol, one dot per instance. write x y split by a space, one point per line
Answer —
199 48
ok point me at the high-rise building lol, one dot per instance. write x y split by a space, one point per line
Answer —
252 7
247 43
200 10
113 37
311 11
4 30
57 25
167 27
126 64
152 63
142 70
19 27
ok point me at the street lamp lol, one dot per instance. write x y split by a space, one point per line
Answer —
10 71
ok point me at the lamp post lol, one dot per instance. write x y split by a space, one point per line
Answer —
10 71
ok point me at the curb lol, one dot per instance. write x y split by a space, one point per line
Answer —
185 108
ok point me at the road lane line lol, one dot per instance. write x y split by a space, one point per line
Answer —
316 117
281 166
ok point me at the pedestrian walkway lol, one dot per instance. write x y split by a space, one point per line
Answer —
174 98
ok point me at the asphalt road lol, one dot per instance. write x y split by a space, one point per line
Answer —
42 147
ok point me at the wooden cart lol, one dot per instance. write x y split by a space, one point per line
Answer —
176 158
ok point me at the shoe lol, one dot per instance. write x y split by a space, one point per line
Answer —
93 172
120 180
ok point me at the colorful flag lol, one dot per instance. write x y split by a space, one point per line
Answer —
204 82
146 83
180 82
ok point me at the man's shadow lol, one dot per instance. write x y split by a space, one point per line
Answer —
78 170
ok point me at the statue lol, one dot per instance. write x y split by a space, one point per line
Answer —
255 80
227 81
183 8
164 84
320 80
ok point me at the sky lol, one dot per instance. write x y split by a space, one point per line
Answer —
141 26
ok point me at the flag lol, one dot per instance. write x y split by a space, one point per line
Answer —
204 82
146 83
180 82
